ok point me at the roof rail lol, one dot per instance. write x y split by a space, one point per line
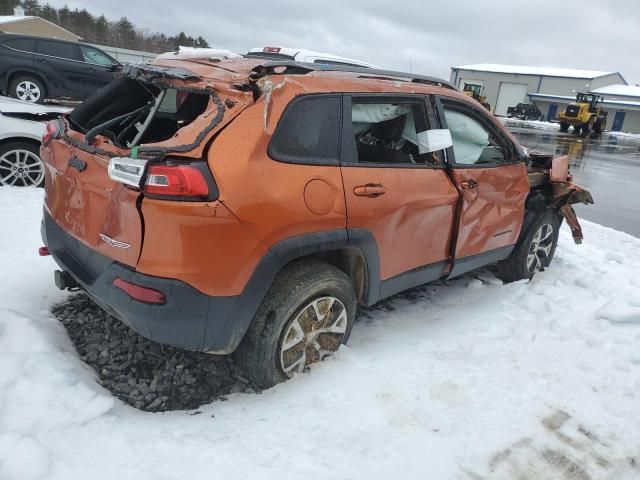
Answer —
287 67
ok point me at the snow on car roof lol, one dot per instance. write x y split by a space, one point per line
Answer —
618 89
192 52
543 71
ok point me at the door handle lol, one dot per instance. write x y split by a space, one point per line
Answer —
468 184
371 190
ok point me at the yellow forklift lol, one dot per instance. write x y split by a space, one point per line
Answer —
476 92
584 115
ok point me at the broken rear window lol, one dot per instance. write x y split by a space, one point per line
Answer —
130 112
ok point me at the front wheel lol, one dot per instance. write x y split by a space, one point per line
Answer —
534 251
305 317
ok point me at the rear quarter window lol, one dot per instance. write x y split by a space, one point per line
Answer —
58 49
309 131
22 44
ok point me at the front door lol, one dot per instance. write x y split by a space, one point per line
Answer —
97 69
553 112
396 190
492 181
618 120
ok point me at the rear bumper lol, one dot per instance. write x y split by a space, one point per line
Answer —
189 319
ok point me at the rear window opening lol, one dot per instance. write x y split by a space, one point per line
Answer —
129 112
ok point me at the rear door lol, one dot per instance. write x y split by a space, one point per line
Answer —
493 183
17 55
396 191
61 65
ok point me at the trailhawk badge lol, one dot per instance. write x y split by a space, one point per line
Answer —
112 242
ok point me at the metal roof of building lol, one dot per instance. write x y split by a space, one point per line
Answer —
618 89
13 18
563 98
541 71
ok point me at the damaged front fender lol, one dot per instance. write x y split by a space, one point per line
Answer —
565 194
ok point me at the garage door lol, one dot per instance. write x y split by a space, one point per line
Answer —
509 95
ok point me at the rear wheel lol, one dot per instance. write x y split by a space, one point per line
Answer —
28 89
306 316
564 126
20 165
586 127
534 251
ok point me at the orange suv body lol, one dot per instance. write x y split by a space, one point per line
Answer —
177 195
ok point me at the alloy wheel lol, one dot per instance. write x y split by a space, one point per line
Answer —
21 168
540 248
314 333
28 91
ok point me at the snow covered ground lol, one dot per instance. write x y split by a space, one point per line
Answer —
543 125
469 380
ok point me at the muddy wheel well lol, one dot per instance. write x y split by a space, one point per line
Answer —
351 261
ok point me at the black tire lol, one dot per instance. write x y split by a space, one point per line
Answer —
17 82
290 296
9 177
564 127
598 127
516 266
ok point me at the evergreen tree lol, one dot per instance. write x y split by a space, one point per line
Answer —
31 7
7 6
49 13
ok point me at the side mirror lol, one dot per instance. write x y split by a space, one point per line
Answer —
434 140
115 67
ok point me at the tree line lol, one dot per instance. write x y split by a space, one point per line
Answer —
102 31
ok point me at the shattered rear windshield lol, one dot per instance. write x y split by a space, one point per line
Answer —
130 112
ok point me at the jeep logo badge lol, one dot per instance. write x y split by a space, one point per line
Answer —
75 162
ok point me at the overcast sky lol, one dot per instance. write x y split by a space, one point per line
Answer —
429 36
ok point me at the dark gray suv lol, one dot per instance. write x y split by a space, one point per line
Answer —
35 68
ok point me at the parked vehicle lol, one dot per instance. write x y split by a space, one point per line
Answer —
477 93
305 56
33 69
249 206
584 115
525 111
22 126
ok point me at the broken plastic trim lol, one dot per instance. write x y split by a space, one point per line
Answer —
136 71
127 170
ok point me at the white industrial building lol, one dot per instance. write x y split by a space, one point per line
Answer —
552 89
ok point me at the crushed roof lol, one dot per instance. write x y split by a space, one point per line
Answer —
542 71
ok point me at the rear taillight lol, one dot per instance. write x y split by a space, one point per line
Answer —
52 131
176 181
140 293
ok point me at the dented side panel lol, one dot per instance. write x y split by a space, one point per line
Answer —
491 214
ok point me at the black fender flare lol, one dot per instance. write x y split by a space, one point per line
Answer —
238 318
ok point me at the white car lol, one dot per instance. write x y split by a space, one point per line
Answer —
22 125
307 56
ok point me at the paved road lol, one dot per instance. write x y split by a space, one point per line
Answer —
608 166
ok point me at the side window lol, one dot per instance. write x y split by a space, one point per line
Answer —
392 133
58 49
473 142
92 55
22 44
308 131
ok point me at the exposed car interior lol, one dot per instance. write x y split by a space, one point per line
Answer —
388 133
129 112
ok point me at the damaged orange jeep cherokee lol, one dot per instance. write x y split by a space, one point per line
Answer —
249 206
